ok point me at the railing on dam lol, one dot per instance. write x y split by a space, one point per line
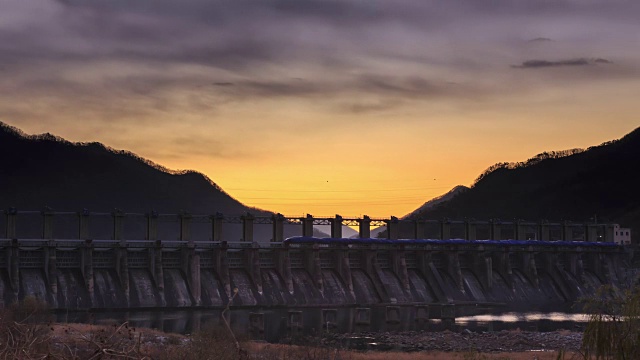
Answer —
131 265
118 225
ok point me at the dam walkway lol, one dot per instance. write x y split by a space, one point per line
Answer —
359 281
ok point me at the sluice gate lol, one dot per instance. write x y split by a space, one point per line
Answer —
371 280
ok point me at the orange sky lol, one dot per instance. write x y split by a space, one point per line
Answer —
357 175
322 107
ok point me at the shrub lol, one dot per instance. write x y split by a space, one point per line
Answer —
613 330
25 331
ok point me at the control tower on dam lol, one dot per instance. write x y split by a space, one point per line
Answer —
84 260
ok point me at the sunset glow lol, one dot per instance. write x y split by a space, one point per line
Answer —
324 107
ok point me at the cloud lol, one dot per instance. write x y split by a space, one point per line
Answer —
122 60
540 39
536 64
367 107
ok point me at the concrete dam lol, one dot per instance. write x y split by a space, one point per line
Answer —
447 269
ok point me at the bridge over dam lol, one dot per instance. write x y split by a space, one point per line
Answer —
116 261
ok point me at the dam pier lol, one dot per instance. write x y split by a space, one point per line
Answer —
118 261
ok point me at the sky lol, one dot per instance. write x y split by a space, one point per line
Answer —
351 107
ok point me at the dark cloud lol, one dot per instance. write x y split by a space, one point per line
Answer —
389 90
282 88
408 87
536 64
204 145
540 39
371 107
124 58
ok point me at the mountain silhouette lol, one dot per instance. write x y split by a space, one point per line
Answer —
44 170
437 201
601 182
580 185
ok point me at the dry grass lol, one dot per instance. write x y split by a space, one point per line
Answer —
83 341
293 352
26 333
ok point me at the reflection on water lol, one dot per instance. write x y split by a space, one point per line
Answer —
517 316
532 321
272 324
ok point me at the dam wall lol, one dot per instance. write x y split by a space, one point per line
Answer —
375 280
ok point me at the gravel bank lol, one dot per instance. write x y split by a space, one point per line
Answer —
484 342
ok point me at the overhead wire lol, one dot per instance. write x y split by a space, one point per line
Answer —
339 191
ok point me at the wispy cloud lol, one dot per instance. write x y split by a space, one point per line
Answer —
540 39
536 64
112 63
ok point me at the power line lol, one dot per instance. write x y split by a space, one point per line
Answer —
417 198
341 191
336 204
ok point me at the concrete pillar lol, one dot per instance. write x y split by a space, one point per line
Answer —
216 226
567 231
608 232
481 264
221 263
122 268
247 227
608 269
311 258
495 229
252 263
529 266
185 227
591 232
83 224
399 267
574 263
157 270
521 230
191 268
278 227
86 266
445 229
364 225
51 273
431 274
336 227
14 267
501 263
543 230
47 224
118 220
488 263
550 262
256 325
152 226
307 225
392 228
283 266
470 230
369 263
12 217
453 268
594 264
418 229
344 269
448 316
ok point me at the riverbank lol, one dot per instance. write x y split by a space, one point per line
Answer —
83 341
464 341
